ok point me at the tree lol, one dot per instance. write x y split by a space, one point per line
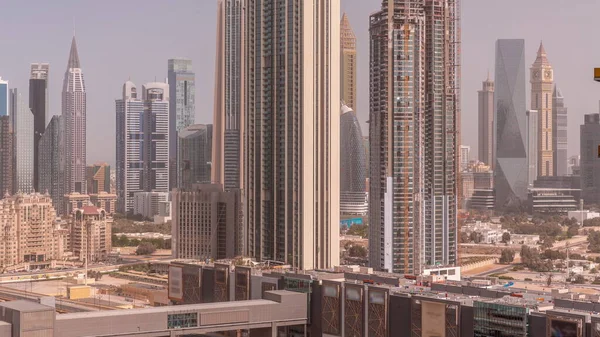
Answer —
357 251
360 230
572 231
593 271
547 242
579 279
505 237
476 237
594 241
549 280
145 248
507 256
595 222
464 237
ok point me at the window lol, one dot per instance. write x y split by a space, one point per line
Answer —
186 320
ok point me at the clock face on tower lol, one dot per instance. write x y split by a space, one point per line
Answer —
536 74
548 75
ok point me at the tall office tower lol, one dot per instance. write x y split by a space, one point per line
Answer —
510 152
38 103
465 157
130 146
413 134
74 119
6 156
215 215
4 98
98 178
22 121
559 133
590 158
486 122
532 146
353 162
292 130
541 100
182 108
51 169
156 137
195 155
228 152
348 63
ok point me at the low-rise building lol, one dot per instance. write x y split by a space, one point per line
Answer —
581 216
524 239
483 199
553 200
164 212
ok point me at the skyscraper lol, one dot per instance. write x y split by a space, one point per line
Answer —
98 178
51 167
182 108
292 129
195 153
353 192
486 122
23 123
348 63
532 146
4 100
38 103
510 153
6 155
465 157
74 119
228 153
413 133
541 100
156 136
590 158
559 133
130 147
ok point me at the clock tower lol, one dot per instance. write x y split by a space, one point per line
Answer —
541 100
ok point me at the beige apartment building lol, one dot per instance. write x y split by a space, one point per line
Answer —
348 63
90 231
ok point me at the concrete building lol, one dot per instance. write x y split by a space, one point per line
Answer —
553 200
349 69
230 90
98 178
486 122
412 221
465 157
573 166
74 201
292 185
590 158
541 100
90 234
23 124
39 106
6 155
483 180
353 192
195 155
581 216
146 203
484 199
510 127
559 133
182 106
467 181
165 210
105 201
207 223
51 168
74 121
532 146
4 98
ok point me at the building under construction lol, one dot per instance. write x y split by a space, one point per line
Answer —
414 130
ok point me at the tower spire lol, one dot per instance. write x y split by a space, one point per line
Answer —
73 55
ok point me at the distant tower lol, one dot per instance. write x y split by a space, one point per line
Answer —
348 63
353 192
541 100
4 100
6 155
23 126
156 137
195 154
74 119
532 146
38 103
50 169
559 133
486 122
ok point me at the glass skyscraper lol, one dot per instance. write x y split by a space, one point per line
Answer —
353 193
195 155
23 121
50 166
38 103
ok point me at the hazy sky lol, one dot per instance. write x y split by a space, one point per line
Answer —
133 39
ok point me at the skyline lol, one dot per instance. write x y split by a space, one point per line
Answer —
195 21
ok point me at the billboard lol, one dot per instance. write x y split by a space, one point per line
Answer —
349 222
433 319
175 283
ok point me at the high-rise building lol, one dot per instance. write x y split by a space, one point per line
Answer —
6 156
182 106
465 157
228 152
195 155
38 103
4 98
156 136
23 124
559 133
532 146
106 201
541 100
50 174
214 216
590 158
413 134
348 63
573 166
292 130
90 233
486 122
98 178
353 162
146 204
74 119
510 125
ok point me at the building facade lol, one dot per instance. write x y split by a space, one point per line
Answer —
353 162
104 200
23 124
74 201
50 174
559 133
590 158
98 178
229 117
465 157
413 133
510 125
90 231
6 155
207 223
4 98
38 104
147 203
532 146
182 105
485 122
541 100
156 137
348 63
74 119
195 155
292 129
